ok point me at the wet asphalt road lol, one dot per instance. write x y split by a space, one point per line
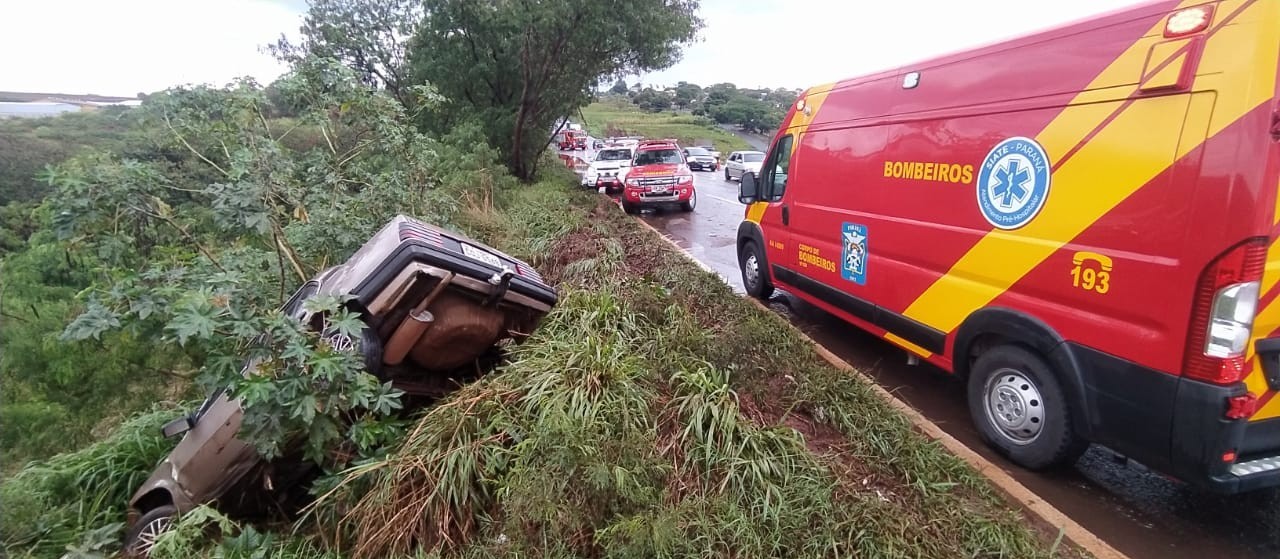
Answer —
1140 513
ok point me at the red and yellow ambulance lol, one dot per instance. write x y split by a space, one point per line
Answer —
1082 223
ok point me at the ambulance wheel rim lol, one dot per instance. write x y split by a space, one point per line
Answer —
1014 406
751 269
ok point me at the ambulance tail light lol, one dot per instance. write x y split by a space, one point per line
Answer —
1188 22
1222 317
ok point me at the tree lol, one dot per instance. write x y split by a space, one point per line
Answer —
720 94
619 87
748 112
367 36
518 67
687 93
652 100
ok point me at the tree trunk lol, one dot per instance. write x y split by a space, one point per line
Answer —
519 162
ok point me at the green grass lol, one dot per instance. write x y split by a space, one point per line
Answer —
653 414
77 499
648 417
616 116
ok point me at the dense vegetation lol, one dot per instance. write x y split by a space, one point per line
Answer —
753 110
665 432
614 116
150 255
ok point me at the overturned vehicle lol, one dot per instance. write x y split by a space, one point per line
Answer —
435 304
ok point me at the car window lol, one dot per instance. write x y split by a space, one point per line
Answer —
753 157
697 151
773 175
659 157
613 155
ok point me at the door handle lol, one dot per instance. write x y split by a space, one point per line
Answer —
786 215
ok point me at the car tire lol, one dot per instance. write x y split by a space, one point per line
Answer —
691 203
630 208
369 347
755 278
1020 409
139 540
726 175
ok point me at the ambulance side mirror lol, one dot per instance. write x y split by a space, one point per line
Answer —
748 189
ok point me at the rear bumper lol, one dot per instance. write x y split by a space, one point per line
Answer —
1171 424
418 251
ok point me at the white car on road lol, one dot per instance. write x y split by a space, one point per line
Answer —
742 162
608 169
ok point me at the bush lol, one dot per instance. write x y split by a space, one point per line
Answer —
81 495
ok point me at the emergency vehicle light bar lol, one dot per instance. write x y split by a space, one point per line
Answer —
671 141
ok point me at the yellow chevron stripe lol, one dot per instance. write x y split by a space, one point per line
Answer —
1103 172
813 98
913 348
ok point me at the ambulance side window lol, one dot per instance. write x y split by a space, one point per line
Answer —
773 175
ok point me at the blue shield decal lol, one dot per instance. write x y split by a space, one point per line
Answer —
853 253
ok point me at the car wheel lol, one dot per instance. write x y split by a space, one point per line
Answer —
630 208
726 175
140 539
691 203
369 347
754 278
1019 408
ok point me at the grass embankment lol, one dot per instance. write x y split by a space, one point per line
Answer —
656 414
653 414
619 117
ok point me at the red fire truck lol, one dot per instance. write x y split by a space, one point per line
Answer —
1081 223
573 139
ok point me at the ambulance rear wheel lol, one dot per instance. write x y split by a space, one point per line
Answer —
1019 408
755 278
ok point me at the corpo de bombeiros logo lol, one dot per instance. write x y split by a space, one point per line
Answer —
1013 183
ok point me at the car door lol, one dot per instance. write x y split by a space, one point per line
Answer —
776 220
733 168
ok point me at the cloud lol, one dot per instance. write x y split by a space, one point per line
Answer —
795 44
130 46
123 48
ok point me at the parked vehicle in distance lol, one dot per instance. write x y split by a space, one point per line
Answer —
573 139
699 159
433 302
658 177
597 144
714 153
743 162
608 169
1090 245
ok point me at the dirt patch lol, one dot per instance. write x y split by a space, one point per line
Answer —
644 257
580 244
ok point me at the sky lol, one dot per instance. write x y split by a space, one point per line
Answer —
124 47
